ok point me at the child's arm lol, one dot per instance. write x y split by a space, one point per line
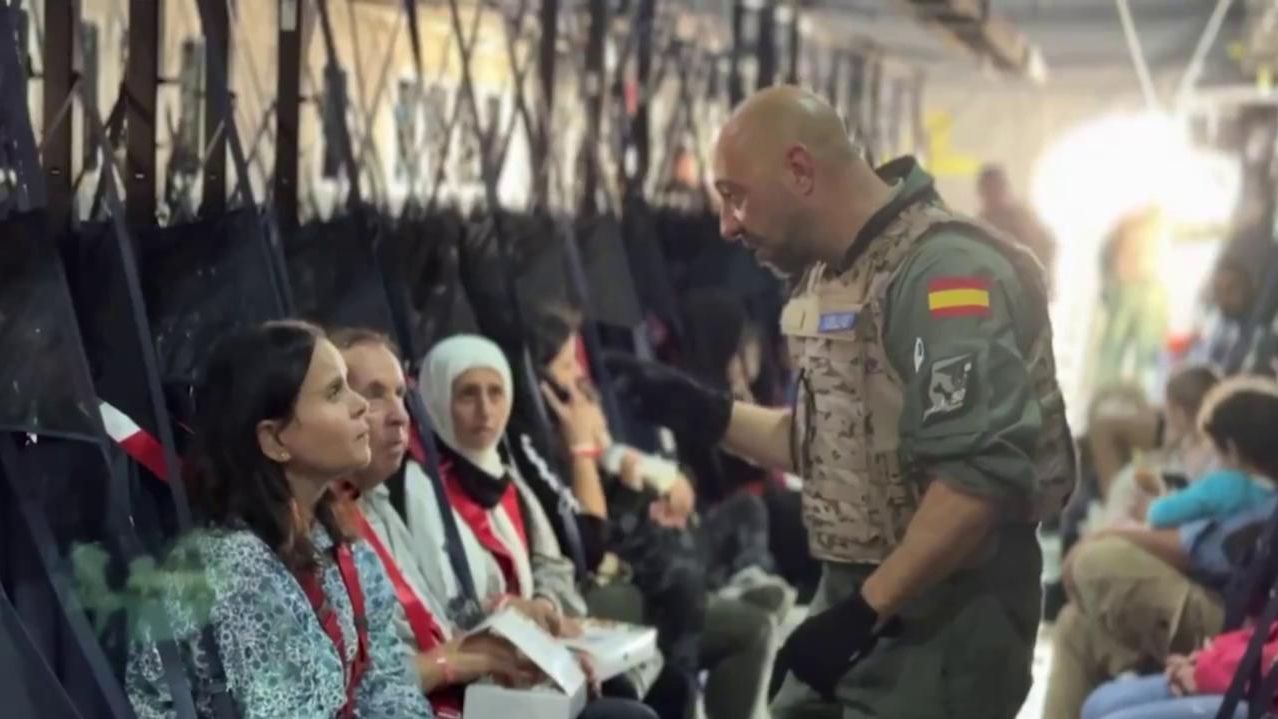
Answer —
1207 498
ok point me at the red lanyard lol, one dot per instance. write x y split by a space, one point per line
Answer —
447 701
310 582
426 630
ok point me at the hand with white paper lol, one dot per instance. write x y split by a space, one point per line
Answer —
467 659
545 614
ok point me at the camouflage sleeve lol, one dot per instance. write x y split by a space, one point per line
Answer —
970 417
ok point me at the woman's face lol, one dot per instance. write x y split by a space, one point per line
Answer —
327 437
563 367
480 408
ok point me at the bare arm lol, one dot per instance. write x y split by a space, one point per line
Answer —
949 526
761 435
587 487
1114 439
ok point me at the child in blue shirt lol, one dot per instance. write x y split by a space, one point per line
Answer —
1219 494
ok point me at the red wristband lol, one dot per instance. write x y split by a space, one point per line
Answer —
585 451
445 668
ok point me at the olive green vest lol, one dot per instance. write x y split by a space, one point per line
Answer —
860 491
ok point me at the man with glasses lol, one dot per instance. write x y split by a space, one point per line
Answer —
929 427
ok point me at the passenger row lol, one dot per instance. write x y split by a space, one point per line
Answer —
1182 498
325 587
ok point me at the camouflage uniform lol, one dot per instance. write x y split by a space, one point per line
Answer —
928 355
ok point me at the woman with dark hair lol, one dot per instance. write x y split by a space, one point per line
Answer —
292 618
730 636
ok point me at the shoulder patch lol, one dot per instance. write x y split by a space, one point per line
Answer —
947 386
958 296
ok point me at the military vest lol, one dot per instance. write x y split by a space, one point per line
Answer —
860 491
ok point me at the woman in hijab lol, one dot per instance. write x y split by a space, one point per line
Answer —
509 544
511 550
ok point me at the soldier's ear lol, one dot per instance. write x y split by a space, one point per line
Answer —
800 168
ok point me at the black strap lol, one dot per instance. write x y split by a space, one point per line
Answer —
1262 696
396 487
1252 581
1248 673
26 674
452 537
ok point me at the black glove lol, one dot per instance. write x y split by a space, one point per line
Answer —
825 646
695 413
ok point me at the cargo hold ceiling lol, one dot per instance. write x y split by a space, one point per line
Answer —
1070 37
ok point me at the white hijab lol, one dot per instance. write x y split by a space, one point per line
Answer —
446 362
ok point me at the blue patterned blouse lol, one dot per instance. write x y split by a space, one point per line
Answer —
276 658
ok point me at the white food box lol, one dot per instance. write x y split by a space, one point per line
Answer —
614 648
562 697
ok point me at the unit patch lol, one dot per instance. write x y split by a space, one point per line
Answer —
947 385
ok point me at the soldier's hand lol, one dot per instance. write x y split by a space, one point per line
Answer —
695 413
827 645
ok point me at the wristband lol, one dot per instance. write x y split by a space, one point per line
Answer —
585 450
446 669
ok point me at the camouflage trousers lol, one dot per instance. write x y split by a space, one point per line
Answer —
964 651
1130 611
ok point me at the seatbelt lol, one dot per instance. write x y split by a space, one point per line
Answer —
1249 672
1258 574
452 536
23 664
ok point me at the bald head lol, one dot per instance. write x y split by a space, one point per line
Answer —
775 119
794 186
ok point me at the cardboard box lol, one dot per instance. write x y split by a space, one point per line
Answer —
614 648
489 701
563 696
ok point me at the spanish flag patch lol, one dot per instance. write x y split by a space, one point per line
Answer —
958 297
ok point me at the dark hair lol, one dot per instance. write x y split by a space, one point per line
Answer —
345 338
252 375
552 325
1241 413
1189 385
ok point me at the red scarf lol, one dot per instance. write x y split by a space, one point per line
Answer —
480 522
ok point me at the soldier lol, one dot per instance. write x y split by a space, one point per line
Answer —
929 426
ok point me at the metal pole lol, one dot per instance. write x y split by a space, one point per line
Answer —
594 91
1137 53
217 99
640 126
62 20
766 46
549 20
141 84
288 112
1205 42
736 89
792 76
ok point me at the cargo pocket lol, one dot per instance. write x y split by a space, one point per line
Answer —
986 670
